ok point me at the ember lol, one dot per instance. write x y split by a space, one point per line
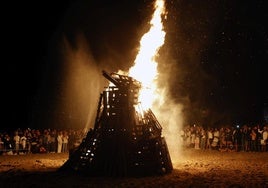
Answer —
126 140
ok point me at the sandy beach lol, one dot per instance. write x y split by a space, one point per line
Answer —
195 168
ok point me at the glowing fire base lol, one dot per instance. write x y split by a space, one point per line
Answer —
126 140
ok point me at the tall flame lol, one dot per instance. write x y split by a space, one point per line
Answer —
145 71
145 66
151 96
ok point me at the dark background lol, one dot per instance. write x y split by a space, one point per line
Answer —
215 55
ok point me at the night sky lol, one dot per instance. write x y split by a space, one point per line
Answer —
215 55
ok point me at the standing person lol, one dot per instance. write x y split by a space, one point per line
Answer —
16 140
258 137
65 139
222 138
188 138
1 144
229 139
216 135
28 135
34 143
71 141
59 139
264 138
23 142
236 138
197 139
209 138
182 138
52 142
246 138
192 137
243 139
203 139
8 146
253 137
46 138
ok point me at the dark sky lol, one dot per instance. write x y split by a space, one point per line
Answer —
217 53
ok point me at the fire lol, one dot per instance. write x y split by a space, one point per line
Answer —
145 65
151 95
145 71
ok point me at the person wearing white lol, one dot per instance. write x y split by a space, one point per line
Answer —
59 139
23 140
216 135
65 139
264 138
17 142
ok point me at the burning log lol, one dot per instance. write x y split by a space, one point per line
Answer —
126 140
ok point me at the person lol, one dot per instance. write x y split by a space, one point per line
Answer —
236 138
264 138
16 140
253 137
34 143
203 139
52 144
192 137
1 144
8 146
216 135
65 139
46 138
59 139
188 138
209 138
222 139
23 141
228 139
71 141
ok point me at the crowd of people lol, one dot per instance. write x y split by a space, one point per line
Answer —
230 138
24 141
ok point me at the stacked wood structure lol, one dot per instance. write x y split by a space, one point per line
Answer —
126 140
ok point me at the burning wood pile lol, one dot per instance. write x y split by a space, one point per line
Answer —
126 140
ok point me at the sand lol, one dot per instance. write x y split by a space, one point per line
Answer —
195 168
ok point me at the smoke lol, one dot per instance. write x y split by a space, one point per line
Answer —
97 36
169 115
81 82
184 61
92 37
69 95
182 82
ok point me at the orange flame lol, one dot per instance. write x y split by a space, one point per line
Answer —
145 66
145 71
